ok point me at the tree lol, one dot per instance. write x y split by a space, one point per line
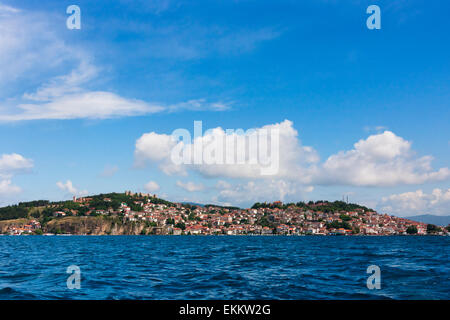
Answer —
336 225
191 216
149 224
35 214
431 228
411 230
135 207
180 225
13 212
265 222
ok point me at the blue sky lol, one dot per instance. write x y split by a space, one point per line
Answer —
137 67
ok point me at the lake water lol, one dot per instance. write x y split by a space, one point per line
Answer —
224 267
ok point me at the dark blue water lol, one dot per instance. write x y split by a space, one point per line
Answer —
226 267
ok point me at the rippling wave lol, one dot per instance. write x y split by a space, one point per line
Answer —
198 267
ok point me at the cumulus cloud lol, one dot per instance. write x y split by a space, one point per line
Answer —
417 202
233 154
383 159
190 186
153 147
69 188
14 163
10 165
151 186
7 188
286 155
295 167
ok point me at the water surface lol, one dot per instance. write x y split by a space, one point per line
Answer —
224 267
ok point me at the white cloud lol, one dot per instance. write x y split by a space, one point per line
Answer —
156 148
190 186
63 97
69 188
153 147
380 160
91 105
66 84
59 75
383 159
151 186
10 165
30 47
417 202
7 188
5 10
295 160
14 163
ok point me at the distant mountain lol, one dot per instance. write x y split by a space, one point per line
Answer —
431 219
193 204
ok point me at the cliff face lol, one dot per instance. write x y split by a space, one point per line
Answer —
93 226
5 224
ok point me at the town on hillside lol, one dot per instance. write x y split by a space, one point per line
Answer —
146 214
